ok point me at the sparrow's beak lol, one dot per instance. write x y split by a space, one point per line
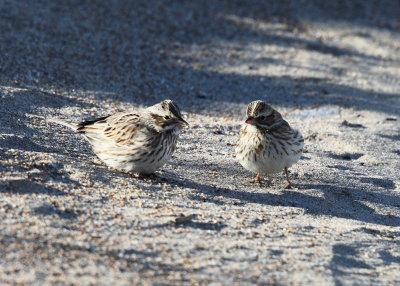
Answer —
250 120
182 122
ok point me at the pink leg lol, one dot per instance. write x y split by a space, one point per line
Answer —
288 184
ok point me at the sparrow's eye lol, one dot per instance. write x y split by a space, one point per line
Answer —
167 117
266 118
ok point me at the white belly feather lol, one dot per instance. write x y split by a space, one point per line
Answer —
263 153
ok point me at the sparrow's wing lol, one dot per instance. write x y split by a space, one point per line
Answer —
120 128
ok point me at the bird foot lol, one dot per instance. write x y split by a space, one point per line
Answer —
149 177
260 182
287 186
254 181
257 179
144 177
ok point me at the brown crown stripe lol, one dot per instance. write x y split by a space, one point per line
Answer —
171 106
255 107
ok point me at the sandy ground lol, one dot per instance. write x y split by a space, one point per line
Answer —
333 70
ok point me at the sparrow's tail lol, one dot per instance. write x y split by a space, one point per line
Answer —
58 121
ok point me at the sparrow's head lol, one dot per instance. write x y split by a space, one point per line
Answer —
262 115
166 116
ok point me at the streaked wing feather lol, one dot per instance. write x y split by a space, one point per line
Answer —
88 123
120 128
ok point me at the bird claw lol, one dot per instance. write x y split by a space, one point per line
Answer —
254 181
260 182
141 176
151 177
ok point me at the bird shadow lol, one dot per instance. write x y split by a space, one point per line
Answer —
348 258
215 226
28 187
25 143
129 259
48 210
35 182
345 258
389 258
337 201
